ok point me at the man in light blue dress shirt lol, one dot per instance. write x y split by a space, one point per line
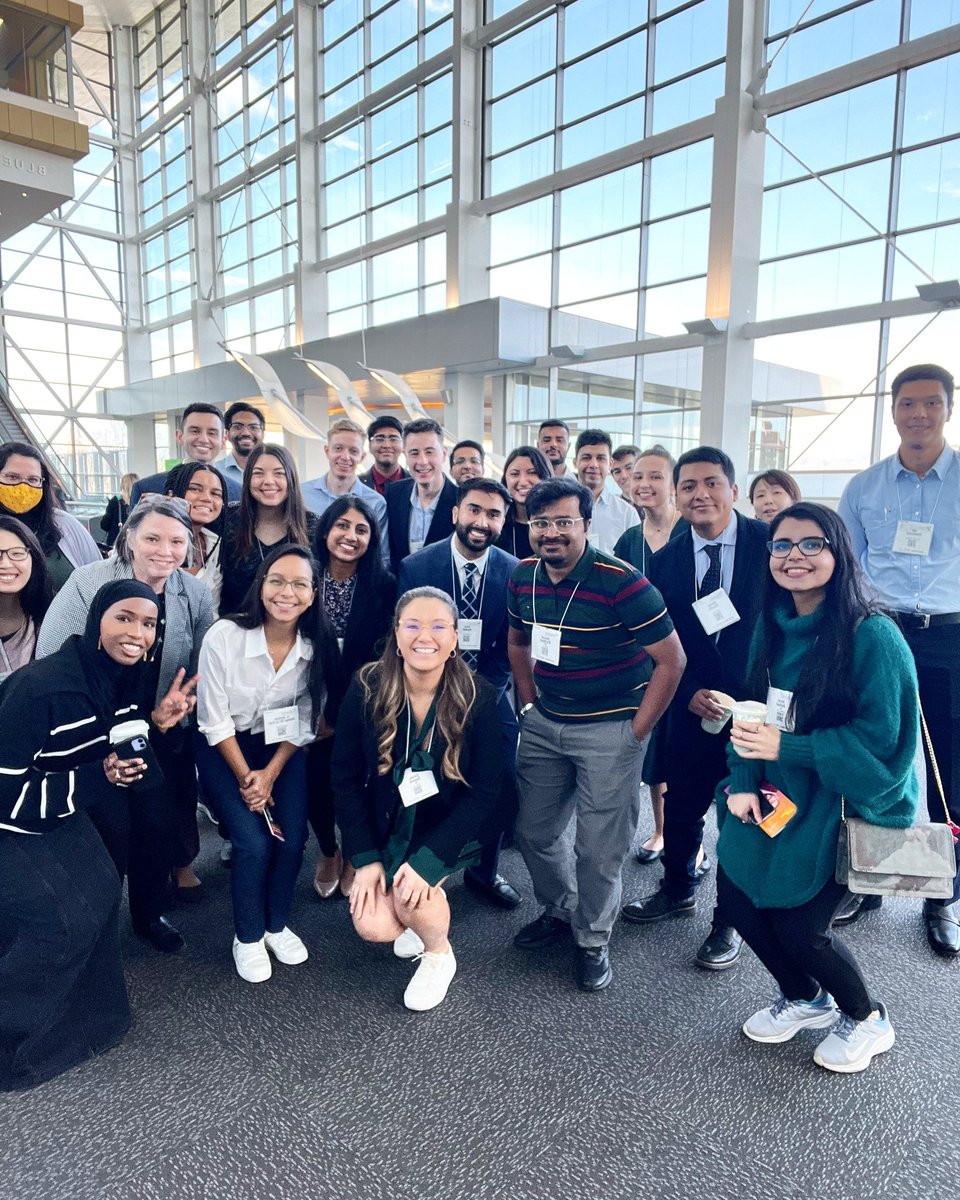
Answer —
244 428
903 515
344 451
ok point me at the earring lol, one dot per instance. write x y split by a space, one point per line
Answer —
99 643
399 655
452 654
144 656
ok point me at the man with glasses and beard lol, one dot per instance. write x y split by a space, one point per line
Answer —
596 662
244 426
476 573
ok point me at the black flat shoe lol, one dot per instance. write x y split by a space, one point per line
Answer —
543 932
161 935
593 968
943 927
645 857
497 891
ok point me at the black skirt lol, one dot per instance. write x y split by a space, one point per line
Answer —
62 993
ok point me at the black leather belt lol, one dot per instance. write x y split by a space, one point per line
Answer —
918 620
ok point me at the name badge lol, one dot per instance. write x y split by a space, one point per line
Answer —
545 645
913 537
716 611
778 709
281 724
415 546
471 631
416 786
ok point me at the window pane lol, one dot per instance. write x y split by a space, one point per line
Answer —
803 216
681 179
605 77
530 162
526 229
528 281
607 131
932 15
524 56
394 125
590 23
522 115
687 100
930 185
933 101
600 205
832 279
678 247
842 39
591 269
667 307
936 250
395 271
691 38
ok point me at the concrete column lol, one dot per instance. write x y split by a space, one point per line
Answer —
465 416
206 334
310 283
141 448
468 235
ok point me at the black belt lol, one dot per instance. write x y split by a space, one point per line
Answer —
919 620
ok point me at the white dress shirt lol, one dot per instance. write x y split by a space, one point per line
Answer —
727 541
238 683
612 517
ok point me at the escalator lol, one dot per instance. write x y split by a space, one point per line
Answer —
14 429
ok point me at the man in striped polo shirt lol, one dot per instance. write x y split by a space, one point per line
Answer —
596 662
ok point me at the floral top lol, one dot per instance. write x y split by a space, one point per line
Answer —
338 600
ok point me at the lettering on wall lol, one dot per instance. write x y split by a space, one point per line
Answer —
26 165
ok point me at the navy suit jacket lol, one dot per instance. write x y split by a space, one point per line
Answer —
397 496
718 663
433 567
155 483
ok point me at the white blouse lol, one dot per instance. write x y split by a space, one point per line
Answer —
238 683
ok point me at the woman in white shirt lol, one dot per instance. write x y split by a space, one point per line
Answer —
264 676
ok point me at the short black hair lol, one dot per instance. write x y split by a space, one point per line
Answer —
422 425
593 437
384 422
780 479
924 371
553 421
467 442
239 407
623 451
211 409
551 490
706 454
490 486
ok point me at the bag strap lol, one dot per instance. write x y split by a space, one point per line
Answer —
933 762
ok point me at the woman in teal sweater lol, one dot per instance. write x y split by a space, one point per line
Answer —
847 725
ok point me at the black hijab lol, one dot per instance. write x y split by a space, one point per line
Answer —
112 685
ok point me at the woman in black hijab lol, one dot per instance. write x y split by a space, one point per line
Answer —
62 994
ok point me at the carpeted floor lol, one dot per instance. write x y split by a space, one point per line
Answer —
320 1085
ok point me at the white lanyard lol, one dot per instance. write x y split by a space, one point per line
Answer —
935 503
8 667
559 627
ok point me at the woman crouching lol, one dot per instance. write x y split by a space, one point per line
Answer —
416 774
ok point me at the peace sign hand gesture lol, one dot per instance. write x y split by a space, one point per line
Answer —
178 703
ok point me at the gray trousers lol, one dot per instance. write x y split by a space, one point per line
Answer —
591 769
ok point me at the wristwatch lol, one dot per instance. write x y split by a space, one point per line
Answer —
523 711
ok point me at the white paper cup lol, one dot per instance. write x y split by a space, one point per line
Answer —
750 712
728 704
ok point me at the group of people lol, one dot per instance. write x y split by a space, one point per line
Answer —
422 666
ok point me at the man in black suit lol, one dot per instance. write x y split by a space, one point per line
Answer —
476 573
719 563
420 510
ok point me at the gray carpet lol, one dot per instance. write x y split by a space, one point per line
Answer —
320 1084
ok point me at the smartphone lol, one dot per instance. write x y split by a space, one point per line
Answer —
776 809
274 828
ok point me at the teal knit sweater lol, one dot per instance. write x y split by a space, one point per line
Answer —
870 761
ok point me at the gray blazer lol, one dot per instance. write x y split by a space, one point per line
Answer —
188 617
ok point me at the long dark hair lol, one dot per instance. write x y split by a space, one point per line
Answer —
36 596
825 695
311 624
370 570
40 519
294 511
179 478
538 460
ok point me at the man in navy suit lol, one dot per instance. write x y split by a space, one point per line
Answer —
419 509
475 572
723 557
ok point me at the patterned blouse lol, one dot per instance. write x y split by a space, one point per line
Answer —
338 600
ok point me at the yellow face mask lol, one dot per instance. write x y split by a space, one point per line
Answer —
20 497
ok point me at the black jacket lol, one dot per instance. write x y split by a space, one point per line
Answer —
397 496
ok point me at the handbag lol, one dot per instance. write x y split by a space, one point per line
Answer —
874 860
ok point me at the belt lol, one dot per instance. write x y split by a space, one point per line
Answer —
919 620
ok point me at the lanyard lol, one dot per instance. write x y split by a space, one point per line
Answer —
417 759
935 503
534 598
8 667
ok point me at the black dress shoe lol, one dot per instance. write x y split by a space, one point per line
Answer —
161 935
593 968
943 927
721 949
645 856
543 932
658 907
849 911
497 891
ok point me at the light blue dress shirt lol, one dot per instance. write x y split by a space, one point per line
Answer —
229 470
318 498
728 543
420 517
872 504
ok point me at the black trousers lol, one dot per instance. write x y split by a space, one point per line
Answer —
798 947
320 812
936 652
62 993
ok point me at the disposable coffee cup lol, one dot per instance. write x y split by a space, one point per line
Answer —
727 703
750 712
131 739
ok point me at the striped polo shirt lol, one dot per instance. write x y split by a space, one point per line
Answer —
614 612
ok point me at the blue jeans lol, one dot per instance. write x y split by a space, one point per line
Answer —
263 871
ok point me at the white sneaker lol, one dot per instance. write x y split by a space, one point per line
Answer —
252 961
852 1044
784 1018
286 947
408 945
429 985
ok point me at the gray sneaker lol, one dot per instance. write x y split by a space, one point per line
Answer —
852 1044
784 1018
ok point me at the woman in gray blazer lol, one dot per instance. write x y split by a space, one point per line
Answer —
156 833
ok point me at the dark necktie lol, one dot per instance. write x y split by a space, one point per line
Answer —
469 608
711 581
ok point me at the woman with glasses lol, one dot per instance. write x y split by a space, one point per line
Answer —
417 763
526 466
205 491
157 832
357 595
25 594
27 493
842 720
270 513
264 675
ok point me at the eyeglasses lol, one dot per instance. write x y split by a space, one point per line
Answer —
16 554
242 427
301 586
13 479
809 547
561 524
414 628
393 438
